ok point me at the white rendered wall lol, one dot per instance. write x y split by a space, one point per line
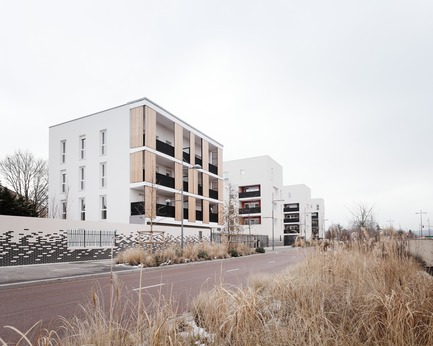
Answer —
319 206
300 194
116 123
267 173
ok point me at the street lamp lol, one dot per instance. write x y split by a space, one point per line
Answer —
181 200
274 201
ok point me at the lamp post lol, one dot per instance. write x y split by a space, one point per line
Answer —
274 201
181 201
420 215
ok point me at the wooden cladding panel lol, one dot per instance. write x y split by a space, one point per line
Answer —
149 167
191 209
205 185
220 214
136 127
192 147
206 211
220 190
178 142
220 162
205 154
150 127
136 163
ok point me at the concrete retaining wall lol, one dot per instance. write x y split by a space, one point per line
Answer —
423 248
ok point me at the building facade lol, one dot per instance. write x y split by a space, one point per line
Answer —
135 163
265 206
258 182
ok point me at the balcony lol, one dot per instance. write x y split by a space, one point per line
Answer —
249 194
290 209
293 219
200 190
255 210
213 194
164 148
186 157
213 217
199 215
165 210
198 160
164 180
213 169
137 208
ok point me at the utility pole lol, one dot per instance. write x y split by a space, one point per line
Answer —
420 215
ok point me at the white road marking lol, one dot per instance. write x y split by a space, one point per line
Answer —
146 287
271 262
232 270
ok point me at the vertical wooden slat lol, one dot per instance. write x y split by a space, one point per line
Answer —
150 127
205 154
136 127
220 162
136 163
178 142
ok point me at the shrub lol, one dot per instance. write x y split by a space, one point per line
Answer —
202 254
260 249
233 253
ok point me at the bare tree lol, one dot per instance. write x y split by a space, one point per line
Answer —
231 212
363 218
28 177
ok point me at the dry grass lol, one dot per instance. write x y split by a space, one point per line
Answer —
363 293
367 295
173 254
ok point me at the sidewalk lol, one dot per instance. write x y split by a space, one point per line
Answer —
41 273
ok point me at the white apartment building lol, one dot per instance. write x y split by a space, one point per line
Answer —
267 207
134 164
303 216
258 181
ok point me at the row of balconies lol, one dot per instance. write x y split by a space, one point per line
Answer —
163 210
169 150
249 194
255 210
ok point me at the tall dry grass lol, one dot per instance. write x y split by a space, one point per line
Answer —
363 293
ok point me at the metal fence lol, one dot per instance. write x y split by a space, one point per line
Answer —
84 238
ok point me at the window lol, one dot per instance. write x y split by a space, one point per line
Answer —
64 209
103 142
317 207
103 207
63 181
63 151
82 204
82 147
103 172
82 174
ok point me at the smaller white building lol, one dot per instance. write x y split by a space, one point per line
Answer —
266 207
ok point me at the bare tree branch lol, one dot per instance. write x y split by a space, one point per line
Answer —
28 177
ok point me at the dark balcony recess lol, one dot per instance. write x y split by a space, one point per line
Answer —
164 180
249 194
288 209
199 215
291 220
213 194
185 186
164 210
255 210
198 160
213 217
137 208
186 157
164 148
213 169
200 190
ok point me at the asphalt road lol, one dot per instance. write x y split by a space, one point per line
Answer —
21 306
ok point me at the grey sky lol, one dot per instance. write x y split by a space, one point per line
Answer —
338 92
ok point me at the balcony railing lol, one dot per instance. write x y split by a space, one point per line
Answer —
186 157
199 215
213 169
137 208
198 160
291 220
164 148
249 194
165 210
255 210
213 217
164 180
289 209
213 194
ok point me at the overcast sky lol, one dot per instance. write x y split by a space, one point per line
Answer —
340 93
